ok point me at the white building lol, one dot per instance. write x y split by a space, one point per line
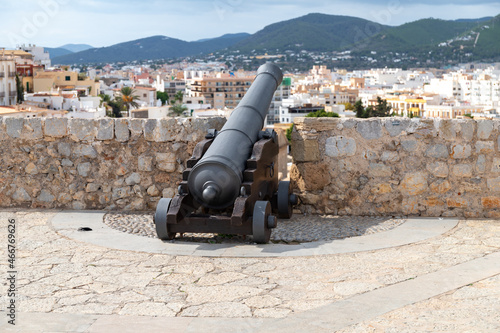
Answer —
8 90
39 54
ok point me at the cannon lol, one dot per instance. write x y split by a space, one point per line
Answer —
231 183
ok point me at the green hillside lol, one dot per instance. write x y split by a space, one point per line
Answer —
313 32
423 32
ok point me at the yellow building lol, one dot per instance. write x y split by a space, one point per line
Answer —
408 106
64 80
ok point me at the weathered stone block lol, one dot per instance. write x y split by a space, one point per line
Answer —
481 164
381 188
84 169
410 205
64 149
83 150
490 202
379 170
414 184
32 129
166 162
495 167
493 184
145 163
122 132
56 127
92 187
31 169
305 151
66 162
484 129
14 126
105 129
133 179
457 202
433 202
460 151
161 130
447 129
136 127
437 151
462 170
168 193
64 198
467 129
370 129
440 186
339 146
396 126
21 195
438 169
153 191
121 192
484 147
409 145
46 196
310 176
82 129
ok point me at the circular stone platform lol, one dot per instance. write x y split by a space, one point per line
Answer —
298 229
89 227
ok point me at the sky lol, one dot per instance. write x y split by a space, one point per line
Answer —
53 23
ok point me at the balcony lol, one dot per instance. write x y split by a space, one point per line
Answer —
2 74
2 94
12 74
13 93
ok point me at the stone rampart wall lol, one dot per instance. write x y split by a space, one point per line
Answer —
94 164
395 166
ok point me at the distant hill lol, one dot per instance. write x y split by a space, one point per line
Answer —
156 47
427 40
76 47
419 33
57 52
313 32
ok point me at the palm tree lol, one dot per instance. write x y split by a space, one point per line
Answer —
128 98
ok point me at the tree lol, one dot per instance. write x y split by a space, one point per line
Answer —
128 99
116 107
359 109
178 97
178 109
163 96
322 113
379 110
348 106
19 90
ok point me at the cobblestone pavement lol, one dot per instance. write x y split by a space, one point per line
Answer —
60 275
299 228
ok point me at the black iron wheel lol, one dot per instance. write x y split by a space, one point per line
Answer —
285 209
260 227
160 219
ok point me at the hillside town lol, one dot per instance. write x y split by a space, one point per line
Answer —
33 87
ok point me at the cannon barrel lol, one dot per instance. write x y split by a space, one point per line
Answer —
216 179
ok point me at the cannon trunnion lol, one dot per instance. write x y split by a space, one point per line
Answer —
231 183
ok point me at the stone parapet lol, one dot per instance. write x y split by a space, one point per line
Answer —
397 166
109 164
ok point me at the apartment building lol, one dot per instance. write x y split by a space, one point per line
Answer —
8 90
219 92
64 80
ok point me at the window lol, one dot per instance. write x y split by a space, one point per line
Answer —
144 95
68 78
